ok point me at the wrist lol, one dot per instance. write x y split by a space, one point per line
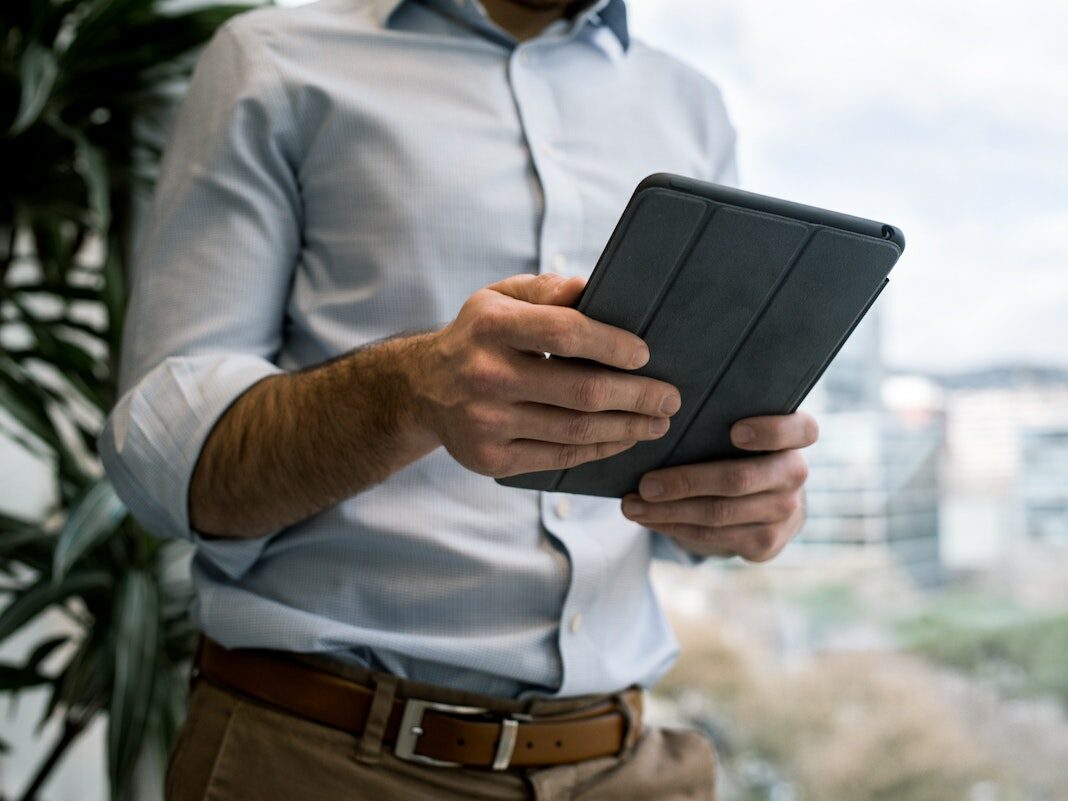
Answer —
413 359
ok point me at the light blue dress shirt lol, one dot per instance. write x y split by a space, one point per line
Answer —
344 171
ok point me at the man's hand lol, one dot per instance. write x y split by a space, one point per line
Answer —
486 391
296 443
750 507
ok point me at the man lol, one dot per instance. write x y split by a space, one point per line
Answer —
372 221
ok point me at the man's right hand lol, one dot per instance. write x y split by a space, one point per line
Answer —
485 390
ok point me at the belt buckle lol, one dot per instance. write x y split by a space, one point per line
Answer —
411 728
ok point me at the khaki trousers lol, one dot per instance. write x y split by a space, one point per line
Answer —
231 748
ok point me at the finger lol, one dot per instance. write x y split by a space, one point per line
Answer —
783 470
553 424
530 455
715 512
775 432
545 289
592 389
757 542
570 333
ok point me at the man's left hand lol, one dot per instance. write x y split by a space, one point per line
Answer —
749 507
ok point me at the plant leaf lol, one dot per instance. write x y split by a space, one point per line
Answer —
41 595
11 542
65 291
39 70
9 522
91 521
24 402
136 642
44 650
91 164
19 677
26 542
82 683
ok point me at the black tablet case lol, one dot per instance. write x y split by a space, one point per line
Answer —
743 300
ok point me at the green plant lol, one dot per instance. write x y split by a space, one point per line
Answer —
1019 653
81 82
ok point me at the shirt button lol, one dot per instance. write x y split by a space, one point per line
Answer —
576 622
548 150
559 263
563 508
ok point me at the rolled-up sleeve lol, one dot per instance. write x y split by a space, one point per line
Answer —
208 287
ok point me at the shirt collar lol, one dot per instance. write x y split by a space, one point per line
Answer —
610 13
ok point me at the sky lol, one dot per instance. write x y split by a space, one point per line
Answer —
945 118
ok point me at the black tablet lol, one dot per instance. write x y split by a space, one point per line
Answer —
743 300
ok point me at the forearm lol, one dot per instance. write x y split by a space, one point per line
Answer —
295 444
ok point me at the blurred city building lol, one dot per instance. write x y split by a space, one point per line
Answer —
1043 484
875 474
1006 473
966 473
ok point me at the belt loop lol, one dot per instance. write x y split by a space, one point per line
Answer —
632 716
369 749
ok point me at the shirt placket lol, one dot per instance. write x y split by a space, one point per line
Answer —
560 227
559 235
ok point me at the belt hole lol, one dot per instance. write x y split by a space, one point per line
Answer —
530 744
559 743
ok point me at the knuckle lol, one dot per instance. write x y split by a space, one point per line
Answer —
484 458
479 373
799 469
740 480
635 427
490 320
486 377
705 534
543 282
774 437
715 514
593 393
790 505
765 544
618 350
580 428
561 335
644 400
812 430
682 485
569 456
486 420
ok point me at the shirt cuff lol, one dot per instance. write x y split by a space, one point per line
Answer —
153 438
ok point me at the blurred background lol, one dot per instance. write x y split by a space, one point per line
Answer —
912 645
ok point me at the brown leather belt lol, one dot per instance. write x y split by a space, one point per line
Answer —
424 731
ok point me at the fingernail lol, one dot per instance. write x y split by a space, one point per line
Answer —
641 356
670 404
652 488
633 508
744 434
658 426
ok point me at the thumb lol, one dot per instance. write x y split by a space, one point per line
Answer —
547 289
